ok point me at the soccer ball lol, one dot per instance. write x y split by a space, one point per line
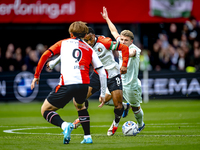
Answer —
130 128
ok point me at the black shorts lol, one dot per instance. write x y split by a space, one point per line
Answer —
113 84
61 95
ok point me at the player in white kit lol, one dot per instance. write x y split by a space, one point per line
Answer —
76 57
132 91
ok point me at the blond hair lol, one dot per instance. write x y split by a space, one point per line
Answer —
127 33
79 29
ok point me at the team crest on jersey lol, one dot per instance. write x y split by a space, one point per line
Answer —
100 49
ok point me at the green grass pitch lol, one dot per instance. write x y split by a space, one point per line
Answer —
170 125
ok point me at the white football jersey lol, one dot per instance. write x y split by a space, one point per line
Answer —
106 56
131 77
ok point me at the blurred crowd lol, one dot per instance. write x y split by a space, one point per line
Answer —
177 49
172 50
16 59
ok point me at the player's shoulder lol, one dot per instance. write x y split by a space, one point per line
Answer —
103 39
133 46
60 41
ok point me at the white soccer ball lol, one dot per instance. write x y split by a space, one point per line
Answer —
130 128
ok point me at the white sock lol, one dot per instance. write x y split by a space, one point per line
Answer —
110 103
115 124
63 125
139 117
87 136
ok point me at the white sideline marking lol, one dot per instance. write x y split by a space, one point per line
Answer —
21 128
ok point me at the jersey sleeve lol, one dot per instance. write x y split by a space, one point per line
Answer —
106 41
125 54
56 47
47 54
96 61
53 50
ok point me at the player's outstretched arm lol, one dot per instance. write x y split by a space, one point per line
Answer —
103 82
111 26
125 57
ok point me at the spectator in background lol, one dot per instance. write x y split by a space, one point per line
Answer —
174 55
184 41
32 60
194 56
40 48
8 62
181 60
193 29
175 43
197 58
20 63
164 40
11 48
173 32
154 57
165 60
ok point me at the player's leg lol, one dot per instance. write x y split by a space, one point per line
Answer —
77 123
138 113
83 114
54 101
118 110
93 87
115 87
134 98
48 112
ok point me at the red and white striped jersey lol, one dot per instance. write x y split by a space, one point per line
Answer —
76 57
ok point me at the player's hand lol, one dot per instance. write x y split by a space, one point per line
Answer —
104 13
102 100
48 66
123 70
33 83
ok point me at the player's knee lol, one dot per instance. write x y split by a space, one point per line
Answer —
135 108
118 106
80 106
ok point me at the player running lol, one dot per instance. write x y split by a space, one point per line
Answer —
76 57
104 47
132 91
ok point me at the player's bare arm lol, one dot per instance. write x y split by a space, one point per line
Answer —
102 100
33 83
111 26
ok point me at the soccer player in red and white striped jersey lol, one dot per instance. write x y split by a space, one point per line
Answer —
76 57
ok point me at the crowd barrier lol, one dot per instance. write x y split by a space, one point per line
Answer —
15 86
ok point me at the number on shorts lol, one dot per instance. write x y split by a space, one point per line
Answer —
118 81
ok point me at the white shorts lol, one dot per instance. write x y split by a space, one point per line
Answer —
133 96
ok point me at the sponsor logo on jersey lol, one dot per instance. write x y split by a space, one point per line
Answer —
22 87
